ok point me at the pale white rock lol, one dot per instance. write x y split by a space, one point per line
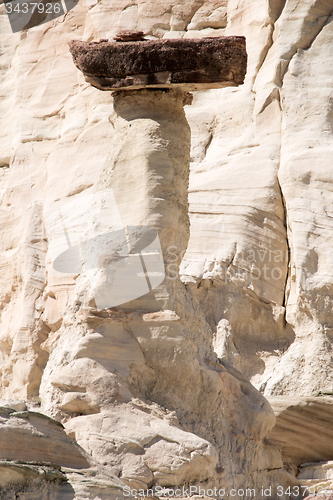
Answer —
317 477
14 405
257 270
212 14
142 449
155 347
284 259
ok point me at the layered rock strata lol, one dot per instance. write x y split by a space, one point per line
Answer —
39 461
258 259
145 354
303 429
34 437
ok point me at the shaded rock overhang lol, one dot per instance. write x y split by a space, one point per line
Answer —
303 430
186 64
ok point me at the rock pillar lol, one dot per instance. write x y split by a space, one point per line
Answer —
149 168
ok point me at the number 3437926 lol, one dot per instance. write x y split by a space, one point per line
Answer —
24 8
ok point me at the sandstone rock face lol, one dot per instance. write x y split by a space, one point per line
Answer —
127 372
34 437
318 477
45 481
158 392
39 461
303 429
31 480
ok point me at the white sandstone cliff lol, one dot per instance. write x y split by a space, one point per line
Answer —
256 277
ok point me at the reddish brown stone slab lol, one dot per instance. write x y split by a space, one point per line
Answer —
195 64
129 36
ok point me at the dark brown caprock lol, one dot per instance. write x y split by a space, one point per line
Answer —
187 64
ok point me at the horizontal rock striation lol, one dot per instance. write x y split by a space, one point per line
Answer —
258 268
189 64
32 436
303 429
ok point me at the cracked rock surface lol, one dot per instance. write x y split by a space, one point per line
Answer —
256 281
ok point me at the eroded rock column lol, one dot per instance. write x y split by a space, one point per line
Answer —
149 162
138 385
148 170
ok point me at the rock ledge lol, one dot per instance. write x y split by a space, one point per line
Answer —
196 64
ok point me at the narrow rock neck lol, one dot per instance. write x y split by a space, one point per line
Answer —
149 170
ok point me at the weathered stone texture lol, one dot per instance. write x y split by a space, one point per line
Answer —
303 430
257 272
186 64
34 437
318 478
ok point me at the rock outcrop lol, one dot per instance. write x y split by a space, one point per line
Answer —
185 64
34 437
303 429
164 395
318 479
39 461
